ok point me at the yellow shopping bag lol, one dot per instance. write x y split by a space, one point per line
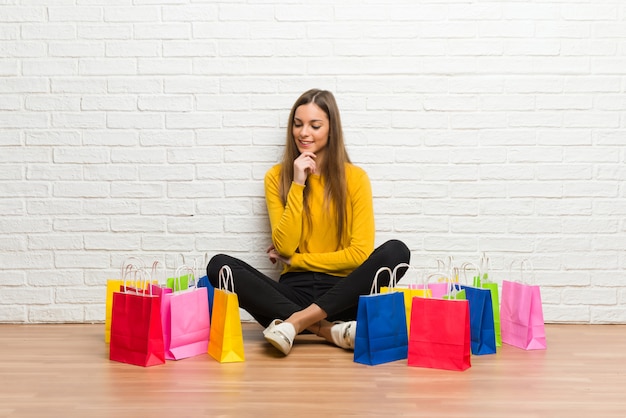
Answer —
226 337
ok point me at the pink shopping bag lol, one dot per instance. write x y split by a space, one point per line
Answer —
186 320
521 315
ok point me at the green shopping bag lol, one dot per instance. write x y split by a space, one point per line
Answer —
481 279
179 283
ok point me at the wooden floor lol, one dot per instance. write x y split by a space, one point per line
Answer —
64 371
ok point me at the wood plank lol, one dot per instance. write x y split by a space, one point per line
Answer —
64 371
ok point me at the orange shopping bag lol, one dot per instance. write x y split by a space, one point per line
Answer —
226 341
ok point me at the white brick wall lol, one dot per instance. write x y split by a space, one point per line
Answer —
145 127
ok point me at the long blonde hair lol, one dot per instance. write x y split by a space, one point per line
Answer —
333 169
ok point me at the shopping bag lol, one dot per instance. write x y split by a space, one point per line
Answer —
440 334
141 286
454 291
443 288
226 342
157 285
136 333
187 324
161 290
437 289
411 290
483 281
481 320
165 291
165 310
210 290
521 314
203 281
481 315
114 285
381 332
178 283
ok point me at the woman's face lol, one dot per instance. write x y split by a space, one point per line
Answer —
310 128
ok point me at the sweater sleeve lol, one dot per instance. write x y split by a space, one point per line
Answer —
285 220
360 235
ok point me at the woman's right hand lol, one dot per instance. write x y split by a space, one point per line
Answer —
274 256
303 166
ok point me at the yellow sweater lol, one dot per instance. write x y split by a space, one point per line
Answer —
321 252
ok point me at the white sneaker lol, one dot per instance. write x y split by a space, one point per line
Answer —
281 335
343 334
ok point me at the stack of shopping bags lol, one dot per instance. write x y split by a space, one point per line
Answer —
435 320
451 315
151 318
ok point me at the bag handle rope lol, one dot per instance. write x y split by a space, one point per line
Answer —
225 277
374 289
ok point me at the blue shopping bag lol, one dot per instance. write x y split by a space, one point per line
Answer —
482 327
381 331
204 282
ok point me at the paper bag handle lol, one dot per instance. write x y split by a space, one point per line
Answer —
451 284
440 275
529 266
191 276
453 287
393 282
201 269
125 272
410 285
126 264
427 281
154 271
226 276
144 281
374 289
485 266
466 266
446 265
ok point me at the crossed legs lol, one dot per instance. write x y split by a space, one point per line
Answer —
299 307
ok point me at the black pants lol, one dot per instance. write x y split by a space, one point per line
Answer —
266 299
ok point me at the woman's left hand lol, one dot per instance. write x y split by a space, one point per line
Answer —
274 256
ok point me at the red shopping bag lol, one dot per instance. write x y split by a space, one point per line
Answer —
113 285
521 314
186 321
440 334
136 333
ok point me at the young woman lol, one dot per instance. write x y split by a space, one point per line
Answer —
322 221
